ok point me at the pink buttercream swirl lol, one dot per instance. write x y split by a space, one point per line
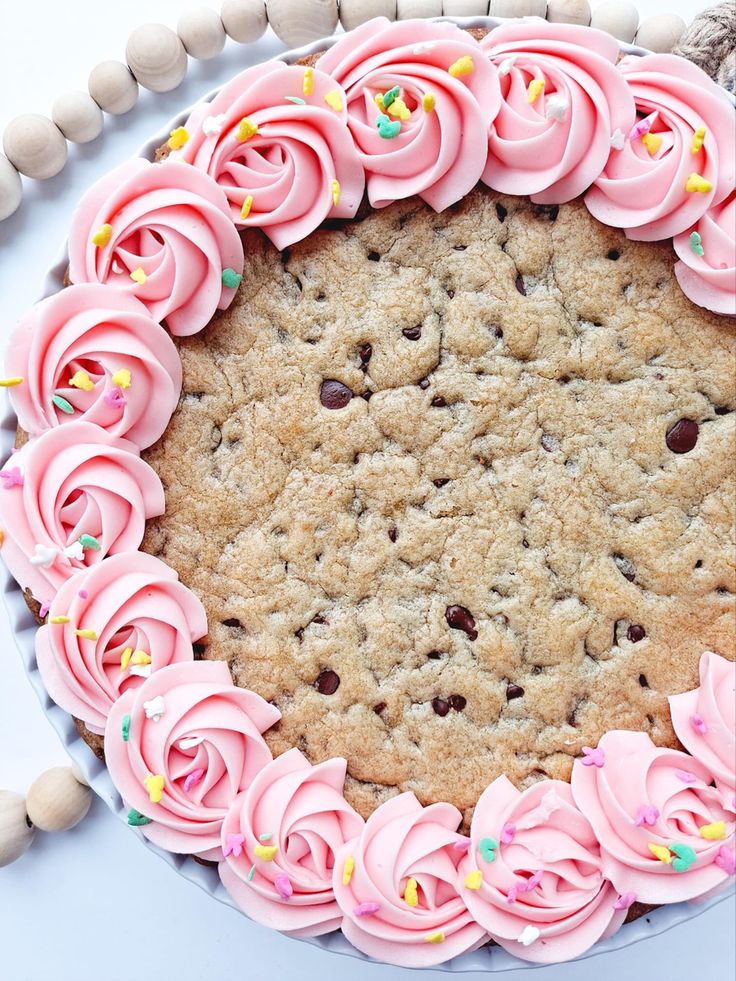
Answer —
540 873
142 619
440 151
298 169
645 193
705 720
644 796
401 902
710 279
190 730
299 809
78 480
562 100
170 229
79 344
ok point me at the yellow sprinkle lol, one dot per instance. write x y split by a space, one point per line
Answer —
246 130
410 893
661 852
334 100
399 109
697 183
473 880
2 538
140 657
177 138
121 378
138 276
697 143
155 787
102 236
713 832
428 102
86 634
336 192
652 142
347 870
379 101
10 382
463 66
435 938
125 658
536 87
58 619
247 205
266 852
81 379
308 84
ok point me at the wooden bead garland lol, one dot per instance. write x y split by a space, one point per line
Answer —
201 32
353 13
16 834
464 8
35 146
568 12
660 32
78 116
156 57
299 23
244 20
406 9
112 86
57 801
11 188
617 17
518 8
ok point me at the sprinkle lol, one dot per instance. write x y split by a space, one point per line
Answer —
696 183
463 66
726 860
190 742
618 139
86 634
535 89
335 192
388 98
246 130
528 935
12 477
44 608
387 129
506 65
698 724
652 142
231 279
697 144
295 99
641 127
155 787
212 126
715 831
136 819
593 757
685 856
410 892
140 657
74 551
283 885
366 909
125 658
83 594
428 102
45 556
116 267
247 205
59 620
556 108
234 846
177 138
624 901
251 873
461 845
102 236
473 880
378 99
138 276
121 378
265 852
334 100
308 83
114 397
399 109
647 814
487 848
696 243
141 670
155 708
661 852
347 870
435 938
266 836
686 776
61 403
125 728
423 48
507 833
10 382
89 541
80 379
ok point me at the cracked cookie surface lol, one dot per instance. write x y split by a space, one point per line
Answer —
475 409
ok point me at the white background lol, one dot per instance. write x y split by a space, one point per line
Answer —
94 904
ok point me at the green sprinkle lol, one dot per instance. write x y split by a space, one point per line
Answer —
136 819
295 99
685 856
251 873
126 730
388 98
696 243
61 403
231 279
89 541
387 128
266 836
488 848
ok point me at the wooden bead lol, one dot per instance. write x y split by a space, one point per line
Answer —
297 22
201 32
113 87
617 17
518 8
660 32
156 57
16 834
408 9
568 12
78 116
11 188
35 146
244 20
465 8
353 13
57 801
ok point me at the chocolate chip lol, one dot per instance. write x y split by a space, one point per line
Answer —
699 564
513 691
441 481
498 332
365 351
613 254
367 396
722 410
451 294
682 437
412 333
460 618
320 619
525 543
374 256
434 655
440 706
519 283
459 248
334 395
299 634
643 681
379 708
232 622
457 702
659 376
393 534
501 212
199 649
328 682
635 633
548 211
438 402
424 384
625 566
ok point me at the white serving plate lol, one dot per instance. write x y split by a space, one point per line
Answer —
487 959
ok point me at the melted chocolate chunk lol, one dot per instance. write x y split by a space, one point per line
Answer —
232 622
501 212
613 255
393 534
460 618
412 333
379 708
643 681
519 283
441 481
438 402
424 383
434 655
457 702
299 634
334 395
682 437
635 633
199 649
328 682
365 352
320 619
513 691
441 706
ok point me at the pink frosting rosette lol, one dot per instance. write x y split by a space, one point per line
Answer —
111 626
438 94
706 271
181 747
705 720
94 353
396 886
663 830
163 233
275 140
532 876
70 497
679 158
562 100
280 839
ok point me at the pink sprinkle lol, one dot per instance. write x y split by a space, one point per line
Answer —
83 594
233 845
641 127
462 845
114 397
513 895
647 814
524 885
45 607
507 833
698 724
365 909
283 885
534 881
686 776
623 902
11 478
593 757
192 780
726 859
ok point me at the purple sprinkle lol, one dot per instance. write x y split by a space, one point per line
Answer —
366 909
192 780
233 845
283 885
507 833
462 845
534 881
623 902
83 594
593 757
45 607
114 397
11 478
698 724
513 893
726 859
686 776
647 814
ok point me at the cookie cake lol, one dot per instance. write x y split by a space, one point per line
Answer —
374 488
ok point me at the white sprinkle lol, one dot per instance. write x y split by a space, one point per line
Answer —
506 65
141 670
74 551
556 107
45 556
528 935
154 708
423 47
618 139
212 126
116 267
190 742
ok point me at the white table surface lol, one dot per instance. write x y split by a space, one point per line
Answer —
94 904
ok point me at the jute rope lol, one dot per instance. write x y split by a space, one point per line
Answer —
710 42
